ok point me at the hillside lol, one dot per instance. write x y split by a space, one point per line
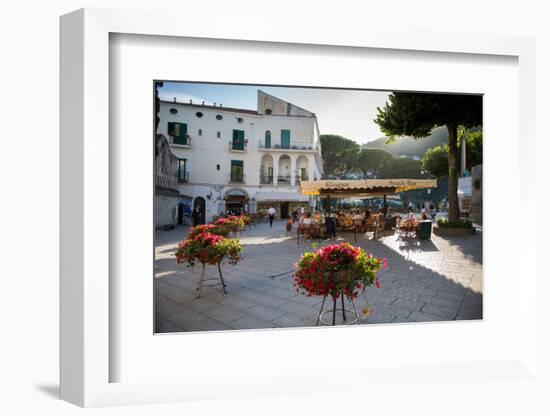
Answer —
409 146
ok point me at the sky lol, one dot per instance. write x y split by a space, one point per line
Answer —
349 113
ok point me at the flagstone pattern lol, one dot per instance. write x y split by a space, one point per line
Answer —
426 281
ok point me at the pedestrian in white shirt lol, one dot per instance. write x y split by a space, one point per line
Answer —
271 214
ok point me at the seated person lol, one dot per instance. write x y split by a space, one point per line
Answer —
411 216
330 224
307 219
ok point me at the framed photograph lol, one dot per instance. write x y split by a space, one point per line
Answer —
235 210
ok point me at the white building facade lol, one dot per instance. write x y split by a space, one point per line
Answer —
238 159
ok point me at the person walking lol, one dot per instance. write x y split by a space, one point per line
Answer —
271 214
196 216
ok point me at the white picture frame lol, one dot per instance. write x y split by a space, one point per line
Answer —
86 355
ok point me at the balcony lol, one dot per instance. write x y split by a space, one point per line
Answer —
302 178
266 179
184 142
183 176
237 179
294 146
283 180
238 145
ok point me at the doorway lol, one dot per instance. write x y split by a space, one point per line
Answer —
201 204
285 210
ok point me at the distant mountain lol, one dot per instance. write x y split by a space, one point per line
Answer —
407 146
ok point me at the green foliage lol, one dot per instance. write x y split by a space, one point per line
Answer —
443 223
339 155
416 114
474 149
409 146
371 161
398 168
436 161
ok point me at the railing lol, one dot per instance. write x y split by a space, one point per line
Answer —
298 146
283 179
238 145
166 182
301 178
237 178
266 179
183 176
186 141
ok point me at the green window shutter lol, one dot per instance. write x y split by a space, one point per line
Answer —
285 139
267 139
238 139
237 171
171 128
179 131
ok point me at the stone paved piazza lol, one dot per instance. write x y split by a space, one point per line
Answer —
426 280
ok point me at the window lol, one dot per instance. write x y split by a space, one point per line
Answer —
219 117
173 111
218 167
237 171
268 139
200 132
285 139
182 170
178 132
240 119
219 134
238 140
268 111
198 114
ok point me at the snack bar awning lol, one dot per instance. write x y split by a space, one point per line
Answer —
363 187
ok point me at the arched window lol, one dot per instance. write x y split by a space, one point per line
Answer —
268 139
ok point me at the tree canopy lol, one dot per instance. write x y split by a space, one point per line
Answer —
371 161
416 114
435 160
339 155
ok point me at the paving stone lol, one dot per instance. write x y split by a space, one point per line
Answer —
185 318
443 302
264 312
290 320
237 302
424 317
250 322
410 303
207 325
168 308
442 311
223 314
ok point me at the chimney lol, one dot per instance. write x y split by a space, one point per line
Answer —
174 99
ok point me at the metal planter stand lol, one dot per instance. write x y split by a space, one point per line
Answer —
335 309
203 279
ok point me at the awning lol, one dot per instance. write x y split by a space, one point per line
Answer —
281 197
363 187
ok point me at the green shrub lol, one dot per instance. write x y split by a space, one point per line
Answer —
454 224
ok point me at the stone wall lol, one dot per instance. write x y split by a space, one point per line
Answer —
167 195
476 203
